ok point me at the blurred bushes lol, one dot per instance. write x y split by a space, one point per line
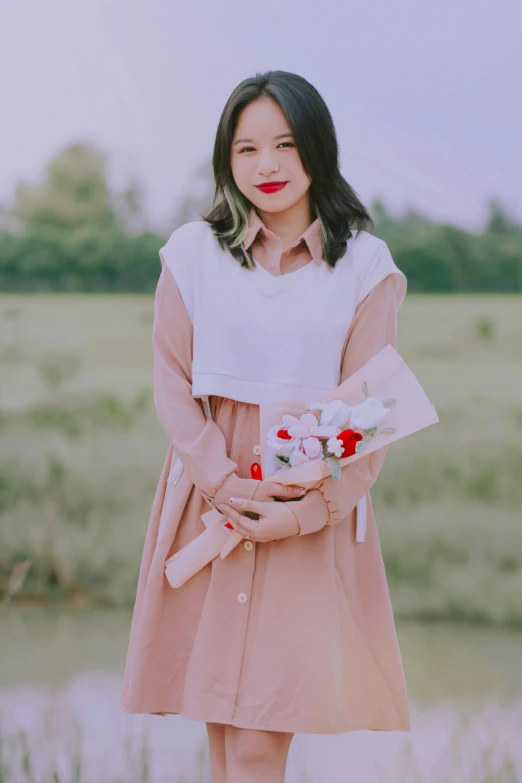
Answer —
71 530
98 262
77 414
436 259
71 232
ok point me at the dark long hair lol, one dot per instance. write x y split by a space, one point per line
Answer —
332 199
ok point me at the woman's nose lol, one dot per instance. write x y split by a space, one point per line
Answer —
266 165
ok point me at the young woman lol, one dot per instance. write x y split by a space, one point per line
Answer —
281 292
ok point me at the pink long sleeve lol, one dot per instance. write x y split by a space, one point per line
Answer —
198 441
373 327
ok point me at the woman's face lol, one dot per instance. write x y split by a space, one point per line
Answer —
265 158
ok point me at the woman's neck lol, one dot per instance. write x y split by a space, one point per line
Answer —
288 224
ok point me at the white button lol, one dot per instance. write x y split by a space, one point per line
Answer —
242 597
257 450
248 545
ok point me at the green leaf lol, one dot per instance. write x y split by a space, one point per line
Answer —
282 460
370 431
389 402
335 467
389 430
365 389
360 446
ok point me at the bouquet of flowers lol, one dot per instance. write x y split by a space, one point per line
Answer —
328 431
305 442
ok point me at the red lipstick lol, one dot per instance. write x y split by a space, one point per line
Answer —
271 187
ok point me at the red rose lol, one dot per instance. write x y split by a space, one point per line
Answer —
284 434
349 439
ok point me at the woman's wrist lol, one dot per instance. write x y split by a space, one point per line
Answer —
288 505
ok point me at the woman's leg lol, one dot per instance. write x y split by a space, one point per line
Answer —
254 756
216 743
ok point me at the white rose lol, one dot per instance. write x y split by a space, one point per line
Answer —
335 412
368 414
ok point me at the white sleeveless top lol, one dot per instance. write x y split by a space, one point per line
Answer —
259 338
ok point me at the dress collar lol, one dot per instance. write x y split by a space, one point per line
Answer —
312 235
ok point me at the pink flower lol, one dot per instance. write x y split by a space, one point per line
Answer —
306 426
297 457
312 447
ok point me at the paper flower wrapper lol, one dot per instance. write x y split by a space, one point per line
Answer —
200 551
386 377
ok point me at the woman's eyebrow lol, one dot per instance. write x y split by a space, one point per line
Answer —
280 136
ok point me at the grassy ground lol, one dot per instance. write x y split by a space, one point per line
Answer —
81 451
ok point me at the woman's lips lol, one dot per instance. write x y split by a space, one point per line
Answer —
271 187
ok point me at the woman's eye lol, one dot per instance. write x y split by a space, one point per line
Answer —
245 149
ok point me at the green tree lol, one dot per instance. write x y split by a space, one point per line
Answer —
499 221
74 196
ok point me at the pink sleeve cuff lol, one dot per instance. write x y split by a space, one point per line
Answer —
311 512
233 487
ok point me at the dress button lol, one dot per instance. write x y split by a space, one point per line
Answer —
242 598
257 450
248 545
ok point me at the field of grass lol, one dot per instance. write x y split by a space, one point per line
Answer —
81 451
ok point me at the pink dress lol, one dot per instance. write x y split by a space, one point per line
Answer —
295 635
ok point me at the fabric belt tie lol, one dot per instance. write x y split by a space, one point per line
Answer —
360 529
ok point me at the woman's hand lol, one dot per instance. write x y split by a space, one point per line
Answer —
267 491
276 520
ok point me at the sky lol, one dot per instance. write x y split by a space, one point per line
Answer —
423 95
